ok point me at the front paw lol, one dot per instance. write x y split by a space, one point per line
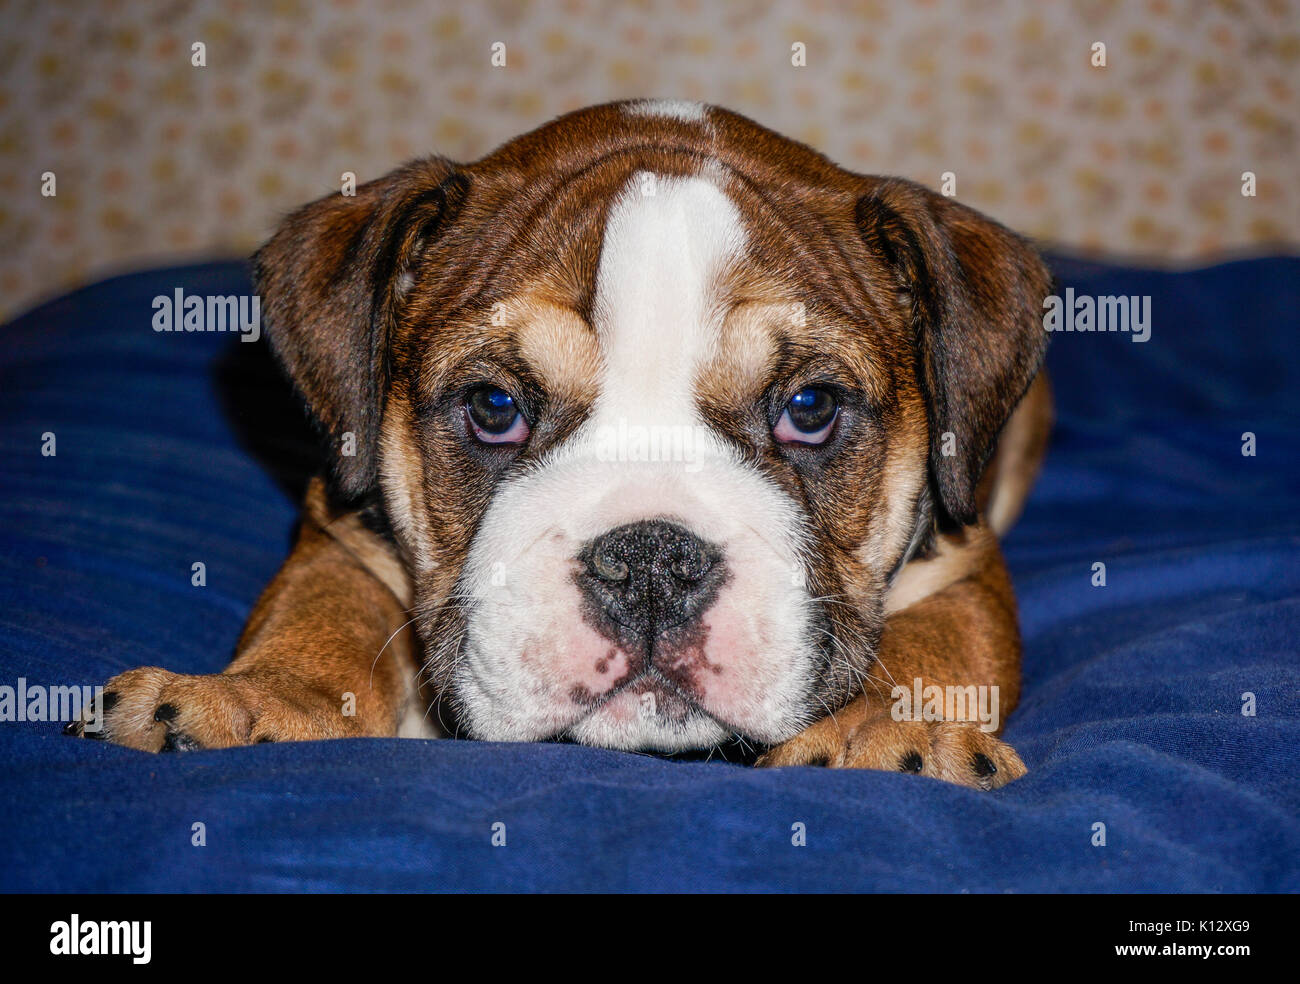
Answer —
155 710
855 738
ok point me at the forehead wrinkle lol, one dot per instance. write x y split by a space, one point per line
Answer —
562 199
802 243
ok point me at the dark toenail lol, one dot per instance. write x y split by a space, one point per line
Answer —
911 762
983 765
71 727
820 762
165 712
265 739
108 700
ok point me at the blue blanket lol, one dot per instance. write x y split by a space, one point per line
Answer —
177 448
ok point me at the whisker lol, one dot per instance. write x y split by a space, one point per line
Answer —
385 646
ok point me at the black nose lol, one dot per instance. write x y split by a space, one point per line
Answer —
647 577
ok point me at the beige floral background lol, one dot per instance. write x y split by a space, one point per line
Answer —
159 161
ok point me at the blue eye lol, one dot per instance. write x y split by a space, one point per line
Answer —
807 399
808 417
495 417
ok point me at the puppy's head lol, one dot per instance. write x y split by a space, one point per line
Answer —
656 402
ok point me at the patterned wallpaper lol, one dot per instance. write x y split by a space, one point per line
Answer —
159 161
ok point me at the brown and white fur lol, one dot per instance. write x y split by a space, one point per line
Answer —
645 268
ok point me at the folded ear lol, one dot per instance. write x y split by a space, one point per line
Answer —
329 281
975 292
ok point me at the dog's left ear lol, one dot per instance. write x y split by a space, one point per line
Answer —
975 292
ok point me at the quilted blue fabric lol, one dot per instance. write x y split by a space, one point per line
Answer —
176 448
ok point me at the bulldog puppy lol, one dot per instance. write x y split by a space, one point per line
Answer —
651 430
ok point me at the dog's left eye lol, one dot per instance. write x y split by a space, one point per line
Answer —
494 417
808 417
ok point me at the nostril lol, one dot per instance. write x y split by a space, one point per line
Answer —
691 566
608 568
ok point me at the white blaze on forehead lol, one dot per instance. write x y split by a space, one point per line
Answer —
676 109
656 308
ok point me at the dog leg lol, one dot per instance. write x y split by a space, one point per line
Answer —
962 634
324 655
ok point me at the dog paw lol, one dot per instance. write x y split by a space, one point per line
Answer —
155 710
955 751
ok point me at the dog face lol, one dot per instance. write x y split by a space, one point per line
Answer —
655 402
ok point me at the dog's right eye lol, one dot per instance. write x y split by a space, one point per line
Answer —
494 417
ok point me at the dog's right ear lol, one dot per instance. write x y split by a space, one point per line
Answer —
329 281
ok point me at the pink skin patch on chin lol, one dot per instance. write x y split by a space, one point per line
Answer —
727 674
588 665
622 708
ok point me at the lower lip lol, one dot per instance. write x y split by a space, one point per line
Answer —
646 697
